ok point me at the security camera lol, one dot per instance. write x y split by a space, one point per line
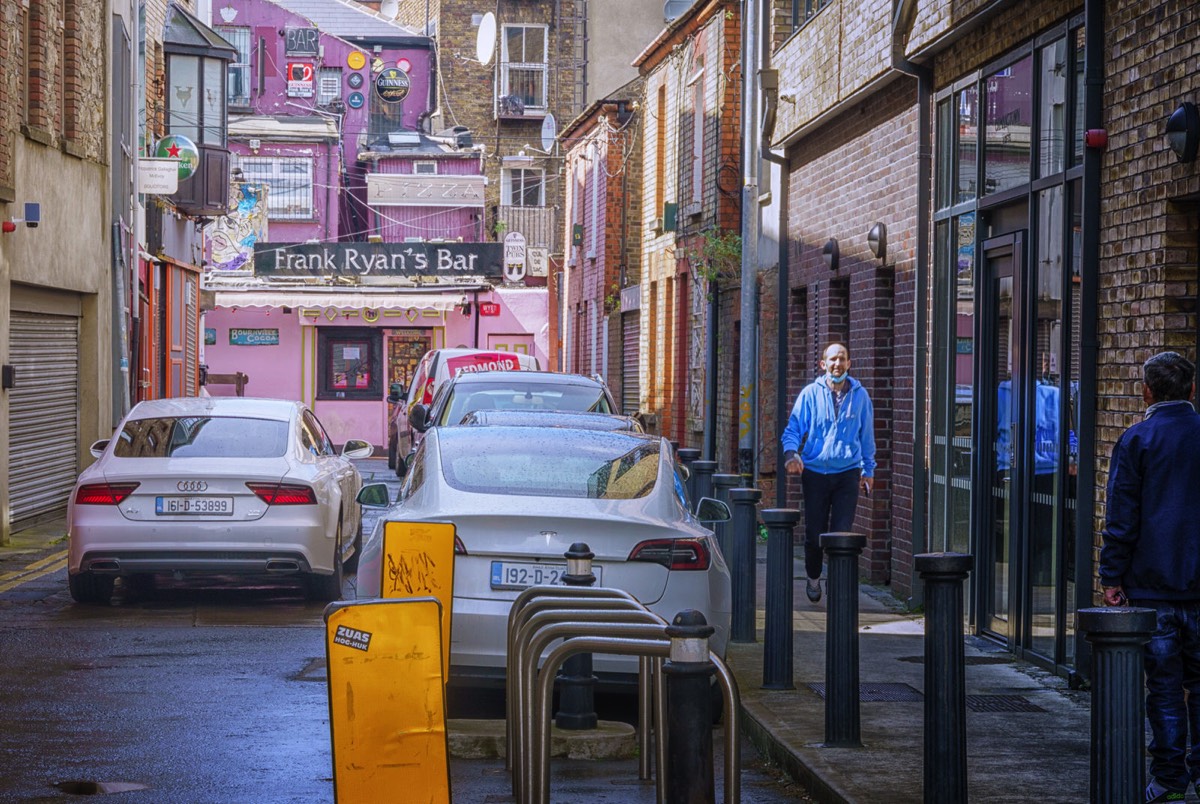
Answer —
33 215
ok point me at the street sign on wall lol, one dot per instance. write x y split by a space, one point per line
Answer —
379 259
514 256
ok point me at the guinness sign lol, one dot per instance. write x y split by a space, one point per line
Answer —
392 85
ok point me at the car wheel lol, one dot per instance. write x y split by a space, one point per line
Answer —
351 564
329 587
88 587
391 453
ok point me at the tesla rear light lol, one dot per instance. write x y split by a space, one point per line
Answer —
283 493
674 554
104 493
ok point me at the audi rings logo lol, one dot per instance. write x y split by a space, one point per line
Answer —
192 485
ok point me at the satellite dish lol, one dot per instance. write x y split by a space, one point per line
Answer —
485 40
549 131
389 9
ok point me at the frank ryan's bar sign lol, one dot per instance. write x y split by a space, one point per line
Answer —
379 259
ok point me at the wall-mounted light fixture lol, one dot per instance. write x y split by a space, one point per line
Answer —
1183 131
831 254
466 308
33 216
877 241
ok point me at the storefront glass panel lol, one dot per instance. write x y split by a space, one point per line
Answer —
1008 124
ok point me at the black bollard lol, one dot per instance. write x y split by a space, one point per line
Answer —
576 684
777 635
1117 635
945 677
842 716
702 472
722 485
688 456
742 567
688 672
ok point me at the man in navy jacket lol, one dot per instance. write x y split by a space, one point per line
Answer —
1151 558
830 442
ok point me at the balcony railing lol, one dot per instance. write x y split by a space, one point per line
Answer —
536 223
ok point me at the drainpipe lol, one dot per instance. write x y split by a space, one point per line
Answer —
748 353
769 80
920 522
1089 299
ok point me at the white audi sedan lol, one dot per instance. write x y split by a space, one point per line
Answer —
216 485
519 497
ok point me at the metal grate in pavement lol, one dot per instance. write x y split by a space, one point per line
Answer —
1001 703
877 693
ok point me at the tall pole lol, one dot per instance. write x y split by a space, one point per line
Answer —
748 353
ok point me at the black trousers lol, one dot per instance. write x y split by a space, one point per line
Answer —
829 505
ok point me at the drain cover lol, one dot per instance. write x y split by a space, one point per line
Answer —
1001 703
877 693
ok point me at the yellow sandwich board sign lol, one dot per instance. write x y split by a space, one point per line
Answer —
418 561
387 705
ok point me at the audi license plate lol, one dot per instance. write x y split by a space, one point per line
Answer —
166 506
519 574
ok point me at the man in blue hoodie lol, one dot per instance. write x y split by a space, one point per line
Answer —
830 442
1151 558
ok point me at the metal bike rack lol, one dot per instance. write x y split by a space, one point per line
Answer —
639 624
539 790
548 625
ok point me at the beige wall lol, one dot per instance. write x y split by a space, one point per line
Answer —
618 30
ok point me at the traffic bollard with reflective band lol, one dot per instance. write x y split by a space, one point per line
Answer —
842 712
387 709
576 684
1117 634
702 472
743 566
687 457
689 673
418 561
777 632
945 678
722 485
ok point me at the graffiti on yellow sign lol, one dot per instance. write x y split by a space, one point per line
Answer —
745 410
387 700
418 561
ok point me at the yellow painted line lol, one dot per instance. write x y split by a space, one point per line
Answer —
5 576
55 567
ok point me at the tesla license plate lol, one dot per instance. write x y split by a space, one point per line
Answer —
165 506
519 574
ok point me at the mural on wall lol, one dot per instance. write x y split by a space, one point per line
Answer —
234 235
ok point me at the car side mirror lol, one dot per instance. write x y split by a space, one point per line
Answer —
418 418
395 392
374 495
354 448
98 447
712 510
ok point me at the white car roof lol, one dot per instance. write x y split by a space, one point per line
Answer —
283 409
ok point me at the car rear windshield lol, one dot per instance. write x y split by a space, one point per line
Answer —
558 463
515 395
202 437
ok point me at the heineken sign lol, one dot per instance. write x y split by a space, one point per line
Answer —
378 259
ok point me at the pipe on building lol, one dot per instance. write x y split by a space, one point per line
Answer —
748 353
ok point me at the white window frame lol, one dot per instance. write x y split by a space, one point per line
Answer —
425 168
542 68
239 36
506 186
290 200
331 77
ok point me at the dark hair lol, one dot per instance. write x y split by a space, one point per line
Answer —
1169 376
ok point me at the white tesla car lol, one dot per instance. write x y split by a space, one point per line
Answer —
519 497
216 485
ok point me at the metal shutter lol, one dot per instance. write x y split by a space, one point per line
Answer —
630 386
43 413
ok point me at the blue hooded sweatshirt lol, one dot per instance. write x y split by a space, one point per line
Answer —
832 442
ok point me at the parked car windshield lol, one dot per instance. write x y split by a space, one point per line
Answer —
517 395
558 463
202 437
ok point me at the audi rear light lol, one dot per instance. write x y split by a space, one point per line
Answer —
104 493
283 493
459 548
674 554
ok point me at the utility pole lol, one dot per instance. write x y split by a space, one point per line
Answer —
748 354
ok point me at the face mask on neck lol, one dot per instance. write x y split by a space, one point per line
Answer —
837 380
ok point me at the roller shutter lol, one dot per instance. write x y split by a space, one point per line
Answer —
43 424
630 387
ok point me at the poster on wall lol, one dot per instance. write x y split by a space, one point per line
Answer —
234 235
299 80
